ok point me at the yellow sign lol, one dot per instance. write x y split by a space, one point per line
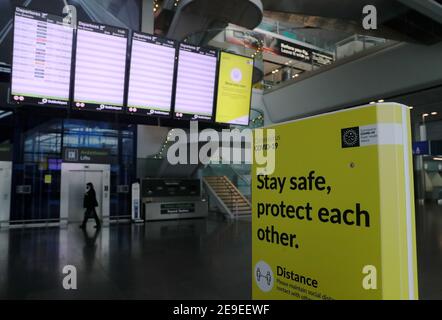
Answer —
335 220
48 179
234 89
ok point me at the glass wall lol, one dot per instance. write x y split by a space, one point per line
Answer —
37 153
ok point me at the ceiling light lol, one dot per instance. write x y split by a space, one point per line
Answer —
372 102
425 115
382 100
411 108
437 159
434 113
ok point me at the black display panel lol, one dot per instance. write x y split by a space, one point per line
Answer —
151 75
155 188
42 59
120 13
100 67
195 86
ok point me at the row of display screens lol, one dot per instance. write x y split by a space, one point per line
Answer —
159 78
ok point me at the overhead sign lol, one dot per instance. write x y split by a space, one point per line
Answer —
272 43
234 89
421 148
100 67
42 58
302 53
337 221
87 155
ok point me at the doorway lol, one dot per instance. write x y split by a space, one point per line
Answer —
74 178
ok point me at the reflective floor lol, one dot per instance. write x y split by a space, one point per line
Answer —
429 250
187 259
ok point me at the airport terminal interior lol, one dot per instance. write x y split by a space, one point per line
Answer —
94 95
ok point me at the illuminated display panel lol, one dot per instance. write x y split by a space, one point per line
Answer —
151 77
195 87
234 89
100 67
42 59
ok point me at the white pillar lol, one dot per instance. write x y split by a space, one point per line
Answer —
147 19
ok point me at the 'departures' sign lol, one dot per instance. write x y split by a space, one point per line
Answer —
335 220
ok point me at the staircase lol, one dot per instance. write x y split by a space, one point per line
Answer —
227 197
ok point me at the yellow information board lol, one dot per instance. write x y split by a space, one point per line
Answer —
335 220
234 89
48 179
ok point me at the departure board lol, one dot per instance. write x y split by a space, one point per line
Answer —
100 67
42 59
195 87
151 77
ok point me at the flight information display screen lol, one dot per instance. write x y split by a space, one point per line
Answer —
42 58
195 87
234 89
100 67
151 77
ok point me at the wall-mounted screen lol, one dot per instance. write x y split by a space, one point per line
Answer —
42 59
234 89
120 13
195 86
151 75
100 67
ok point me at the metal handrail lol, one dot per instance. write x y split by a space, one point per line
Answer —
236 173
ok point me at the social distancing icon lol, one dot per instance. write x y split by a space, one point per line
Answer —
264 276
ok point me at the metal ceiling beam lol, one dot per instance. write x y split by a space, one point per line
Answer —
429 8
194 16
